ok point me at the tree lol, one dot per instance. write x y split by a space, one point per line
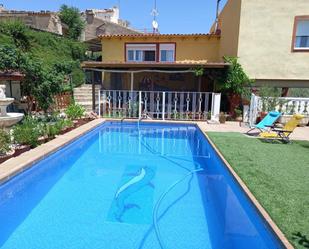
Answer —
39 82
71 17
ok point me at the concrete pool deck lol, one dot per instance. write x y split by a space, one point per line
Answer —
300 133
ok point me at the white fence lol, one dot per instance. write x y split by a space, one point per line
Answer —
285 105
159 105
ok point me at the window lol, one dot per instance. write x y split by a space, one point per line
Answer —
167 55
141 52
136 52
167 52
134 55
149 56
301 34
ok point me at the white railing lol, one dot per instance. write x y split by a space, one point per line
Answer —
285 105
159 105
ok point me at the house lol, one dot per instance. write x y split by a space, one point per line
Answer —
173 73
159 62
271 39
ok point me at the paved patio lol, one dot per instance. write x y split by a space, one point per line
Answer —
300 133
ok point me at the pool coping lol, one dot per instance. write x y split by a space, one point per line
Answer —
16 165
263 213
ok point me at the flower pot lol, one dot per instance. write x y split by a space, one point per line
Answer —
238 119
245 102
222 118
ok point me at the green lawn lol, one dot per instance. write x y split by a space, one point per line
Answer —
277 174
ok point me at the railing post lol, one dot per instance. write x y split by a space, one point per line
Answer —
215 107
140 105
99 101
163 106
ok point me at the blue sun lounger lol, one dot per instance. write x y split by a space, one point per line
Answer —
267 122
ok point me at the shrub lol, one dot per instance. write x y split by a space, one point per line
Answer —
27 133
75 111
270 97
236 80
4 142
51 130
238 112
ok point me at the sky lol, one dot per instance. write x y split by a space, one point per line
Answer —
175 16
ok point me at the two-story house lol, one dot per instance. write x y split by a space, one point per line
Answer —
270 38
159 61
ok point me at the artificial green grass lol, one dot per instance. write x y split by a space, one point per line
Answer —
278 176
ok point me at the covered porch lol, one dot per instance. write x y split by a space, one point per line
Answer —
153 76
183 91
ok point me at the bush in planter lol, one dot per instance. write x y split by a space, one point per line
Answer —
27 133
75 111
238 114
4 142
270 97
235 83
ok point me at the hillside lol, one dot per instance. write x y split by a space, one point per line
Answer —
50 49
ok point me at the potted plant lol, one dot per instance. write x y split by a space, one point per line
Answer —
235 83
222 118
238 114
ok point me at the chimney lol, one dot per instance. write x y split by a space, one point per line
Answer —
217 28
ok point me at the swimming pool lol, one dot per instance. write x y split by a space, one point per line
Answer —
131 186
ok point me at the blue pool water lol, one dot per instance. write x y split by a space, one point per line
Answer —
124 186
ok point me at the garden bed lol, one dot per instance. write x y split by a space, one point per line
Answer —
18 150
38 129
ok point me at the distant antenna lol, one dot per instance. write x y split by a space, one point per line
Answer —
155 13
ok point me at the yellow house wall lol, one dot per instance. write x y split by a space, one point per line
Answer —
188 48
229 21
265 40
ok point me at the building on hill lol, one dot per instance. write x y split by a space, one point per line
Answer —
43 20
111 15
98 21
104 22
